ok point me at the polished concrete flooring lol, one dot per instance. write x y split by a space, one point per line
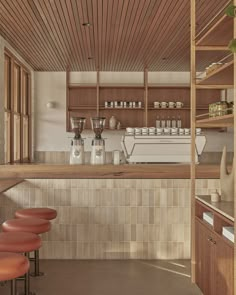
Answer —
112 277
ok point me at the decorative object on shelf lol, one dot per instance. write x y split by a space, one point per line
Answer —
118 126
215 197
219 108
226 179
230 10
112 122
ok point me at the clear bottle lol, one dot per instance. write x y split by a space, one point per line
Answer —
179 122
158 122
168 122
163 122
173 122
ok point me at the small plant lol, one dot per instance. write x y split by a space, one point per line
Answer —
231 11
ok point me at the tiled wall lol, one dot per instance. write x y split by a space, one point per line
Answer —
59 157
111 219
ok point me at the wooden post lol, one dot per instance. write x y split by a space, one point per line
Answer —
146 97
98 85
193 125
67 100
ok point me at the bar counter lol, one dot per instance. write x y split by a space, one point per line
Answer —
125 171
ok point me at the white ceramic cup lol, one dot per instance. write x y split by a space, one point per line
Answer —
116 157
186 131
156 104
130 130
179 104
164 104
159 130
215 197
137 130
181 131
171 104
166 130
173 130
198 130
152 130
144 130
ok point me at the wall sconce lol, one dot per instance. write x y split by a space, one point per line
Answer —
51 105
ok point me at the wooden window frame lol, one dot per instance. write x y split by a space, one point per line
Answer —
20 111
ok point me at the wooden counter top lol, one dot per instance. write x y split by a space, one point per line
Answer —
127 171
222 207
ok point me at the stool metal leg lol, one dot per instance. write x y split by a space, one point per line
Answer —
36 272
13 287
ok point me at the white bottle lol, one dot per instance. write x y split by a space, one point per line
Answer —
168 122
158 122
179 122
173 122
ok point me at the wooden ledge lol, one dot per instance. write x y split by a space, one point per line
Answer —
6 184
127 171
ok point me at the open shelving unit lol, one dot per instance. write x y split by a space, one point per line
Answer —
89 100
214 39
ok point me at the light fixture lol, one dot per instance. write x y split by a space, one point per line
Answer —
51 105
86 24
90 57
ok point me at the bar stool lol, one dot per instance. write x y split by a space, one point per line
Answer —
44 213
12 266
30 225
20 242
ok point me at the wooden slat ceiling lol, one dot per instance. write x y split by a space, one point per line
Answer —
124 35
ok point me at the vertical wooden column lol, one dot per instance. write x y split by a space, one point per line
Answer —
234 2
146 97
67 100
192 122
97 86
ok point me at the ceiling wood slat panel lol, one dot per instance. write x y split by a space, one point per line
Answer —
124 35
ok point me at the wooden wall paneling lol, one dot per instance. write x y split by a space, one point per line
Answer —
193 136
67 99
83 97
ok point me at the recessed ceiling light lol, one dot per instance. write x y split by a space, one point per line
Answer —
90 57
86 24
164 58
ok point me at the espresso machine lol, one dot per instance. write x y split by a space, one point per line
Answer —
98 143
77 143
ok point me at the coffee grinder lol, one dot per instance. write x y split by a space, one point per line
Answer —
98 143
77 143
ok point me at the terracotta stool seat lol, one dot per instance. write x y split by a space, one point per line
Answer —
32 225
12 265
44 213
19 242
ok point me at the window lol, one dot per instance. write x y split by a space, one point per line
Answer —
17 111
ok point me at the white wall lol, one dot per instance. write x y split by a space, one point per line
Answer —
4 44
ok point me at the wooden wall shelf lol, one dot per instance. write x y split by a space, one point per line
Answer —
222 75
218 34
213 122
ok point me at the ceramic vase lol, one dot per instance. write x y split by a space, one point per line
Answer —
226 179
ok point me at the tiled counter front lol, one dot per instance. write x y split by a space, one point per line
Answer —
111 219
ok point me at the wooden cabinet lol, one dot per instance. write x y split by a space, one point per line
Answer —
139 111
214 255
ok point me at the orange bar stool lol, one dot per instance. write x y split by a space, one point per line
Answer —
20 242
44 213
30 225
12 266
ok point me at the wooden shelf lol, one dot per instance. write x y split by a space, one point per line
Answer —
219 34
216 122
83 107
221 76
120 109
76 86
121 86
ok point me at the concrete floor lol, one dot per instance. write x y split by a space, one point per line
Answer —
112 277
